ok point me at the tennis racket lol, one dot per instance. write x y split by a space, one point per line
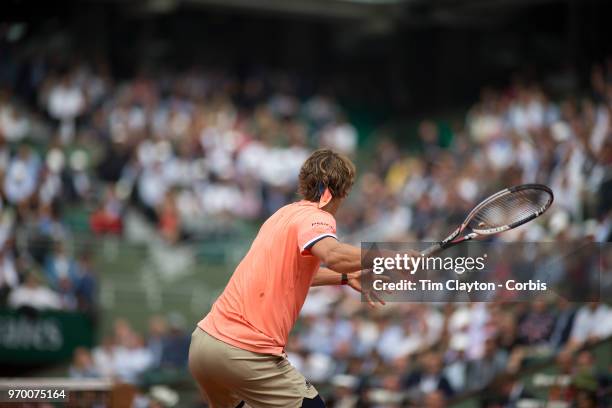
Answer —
500 212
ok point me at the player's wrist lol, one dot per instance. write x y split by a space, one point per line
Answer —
344 279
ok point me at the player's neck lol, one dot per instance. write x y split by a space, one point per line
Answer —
332 206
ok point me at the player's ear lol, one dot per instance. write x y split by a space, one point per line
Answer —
326 197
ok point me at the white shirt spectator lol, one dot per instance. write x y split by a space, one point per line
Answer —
250 157
13 125
152 185
38 297
19 182
103 357
600 130
500 153
341 137
366 336
592 322
8 272
50 188
395 222
66 101
396 342
319 301
318 367
145 152
484 126
221 198
130 362
281 167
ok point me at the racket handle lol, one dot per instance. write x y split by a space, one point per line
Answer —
434 249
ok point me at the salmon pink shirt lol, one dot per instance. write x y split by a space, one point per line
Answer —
263 298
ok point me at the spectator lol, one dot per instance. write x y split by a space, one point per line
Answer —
21 176
86 284
131 359
158 330
104 357
175 349
32 294
429 377
563 324
61 270
537 324
82 364
340 136
169 219
65 103
593 322
197 150
107 218
343 394
482 371
456 367
9 277
14 125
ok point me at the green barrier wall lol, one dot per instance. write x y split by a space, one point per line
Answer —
47 337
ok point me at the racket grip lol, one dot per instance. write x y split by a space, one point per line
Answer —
434 249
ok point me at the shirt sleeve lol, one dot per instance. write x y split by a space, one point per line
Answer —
314 228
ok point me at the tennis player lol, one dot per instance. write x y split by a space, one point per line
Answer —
237 351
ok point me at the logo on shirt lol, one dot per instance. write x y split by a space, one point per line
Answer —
321 224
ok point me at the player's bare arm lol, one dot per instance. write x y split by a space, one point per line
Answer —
326 277
345 258
337 256
354 280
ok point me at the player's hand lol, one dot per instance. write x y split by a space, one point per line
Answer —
361 281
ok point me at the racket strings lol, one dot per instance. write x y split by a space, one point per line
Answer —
510 208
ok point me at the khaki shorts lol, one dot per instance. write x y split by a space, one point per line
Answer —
229 376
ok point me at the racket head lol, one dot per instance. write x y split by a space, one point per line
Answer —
509 209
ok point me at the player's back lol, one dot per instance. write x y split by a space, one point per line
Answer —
262 300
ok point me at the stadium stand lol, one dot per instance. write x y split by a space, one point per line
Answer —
166 164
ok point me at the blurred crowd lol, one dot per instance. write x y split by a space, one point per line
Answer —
423 355
185 150
129 357
189 148
510 136
145 366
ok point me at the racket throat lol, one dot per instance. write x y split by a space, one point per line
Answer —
469 236
451 238
462 238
